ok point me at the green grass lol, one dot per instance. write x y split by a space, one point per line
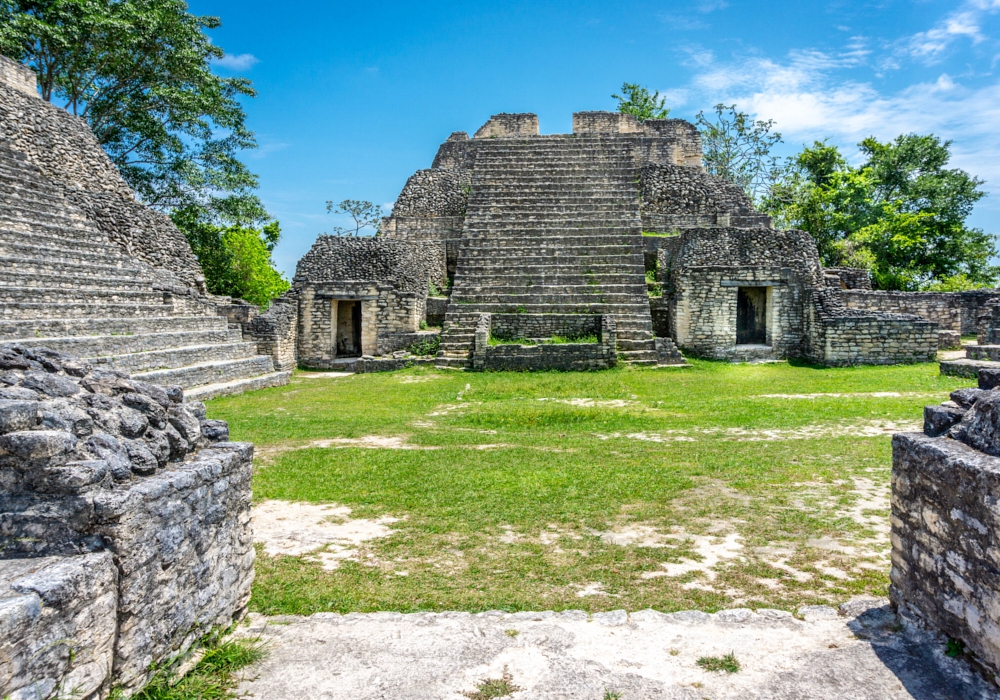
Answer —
531 489
214 678
728 663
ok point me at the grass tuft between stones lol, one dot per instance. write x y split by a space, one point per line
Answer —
728 663
494 687
214 678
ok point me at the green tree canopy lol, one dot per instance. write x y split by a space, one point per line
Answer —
637 101
139 72
737 148
901 213
236 259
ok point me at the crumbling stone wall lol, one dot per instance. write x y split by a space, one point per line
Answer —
526 358
840 336
92 461
539 326
676 197
18 76
434 193
341 258
945 542
848 277
65 150
505 125
944 308
275 332
57 626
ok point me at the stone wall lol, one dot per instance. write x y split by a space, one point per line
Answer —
944 308
691 192
434 193
945 543
528 358
349 258
92 461
505 125
276 331
57 626
18 76
849 277
543 326
66 151
839 336
605 123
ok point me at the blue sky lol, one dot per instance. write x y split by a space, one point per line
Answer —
356 96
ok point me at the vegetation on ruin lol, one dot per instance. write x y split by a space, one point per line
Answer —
901 214
737 148
637 101
363 213
236 260
140 73
213 678
708 487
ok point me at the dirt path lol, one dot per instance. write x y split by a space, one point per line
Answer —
860 654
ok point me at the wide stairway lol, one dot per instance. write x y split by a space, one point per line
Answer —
552 226
66 286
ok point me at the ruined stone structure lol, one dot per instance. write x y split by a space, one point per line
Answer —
86 269
561 230
124 526
945 495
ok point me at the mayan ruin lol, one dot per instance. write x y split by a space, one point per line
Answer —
645 400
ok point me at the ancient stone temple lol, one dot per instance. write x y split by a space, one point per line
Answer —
86 269
537 237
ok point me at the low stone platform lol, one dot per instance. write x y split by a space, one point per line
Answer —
964 367
862 653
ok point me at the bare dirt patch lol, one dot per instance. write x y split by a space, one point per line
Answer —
592 403
324 533
850 395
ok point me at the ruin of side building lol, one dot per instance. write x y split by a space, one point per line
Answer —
618 226
87 269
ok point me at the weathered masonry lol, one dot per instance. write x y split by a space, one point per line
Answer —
87 269
945 517
124 527
618 220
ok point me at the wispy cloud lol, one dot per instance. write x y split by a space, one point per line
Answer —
239 61
965 22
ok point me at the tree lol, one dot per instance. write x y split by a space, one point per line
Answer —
139 72
638 102
236 260
364 213
901 214
737 148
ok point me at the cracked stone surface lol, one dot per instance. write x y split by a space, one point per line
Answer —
862 652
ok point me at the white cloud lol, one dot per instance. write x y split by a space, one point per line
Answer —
239 61
964 22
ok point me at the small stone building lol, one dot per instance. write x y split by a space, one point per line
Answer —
359 296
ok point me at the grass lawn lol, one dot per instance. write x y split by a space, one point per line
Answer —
707 487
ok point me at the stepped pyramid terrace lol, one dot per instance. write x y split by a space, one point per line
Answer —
576 251
86 269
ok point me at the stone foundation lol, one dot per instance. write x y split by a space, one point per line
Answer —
562 356
113 486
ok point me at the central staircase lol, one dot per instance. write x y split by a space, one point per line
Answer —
552 226
66 286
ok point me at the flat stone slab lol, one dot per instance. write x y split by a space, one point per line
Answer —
861 652
966 367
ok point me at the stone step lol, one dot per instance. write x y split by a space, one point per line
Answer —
72 280
21 212
43 328
513 298
210 372
77 295
237 386
36 310
174 358
47 266
965 367
55 328
61 235
98 346
109 257
570 277
983 352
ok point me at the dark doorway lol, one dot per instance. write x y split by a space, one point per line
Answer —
751 316
348 328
